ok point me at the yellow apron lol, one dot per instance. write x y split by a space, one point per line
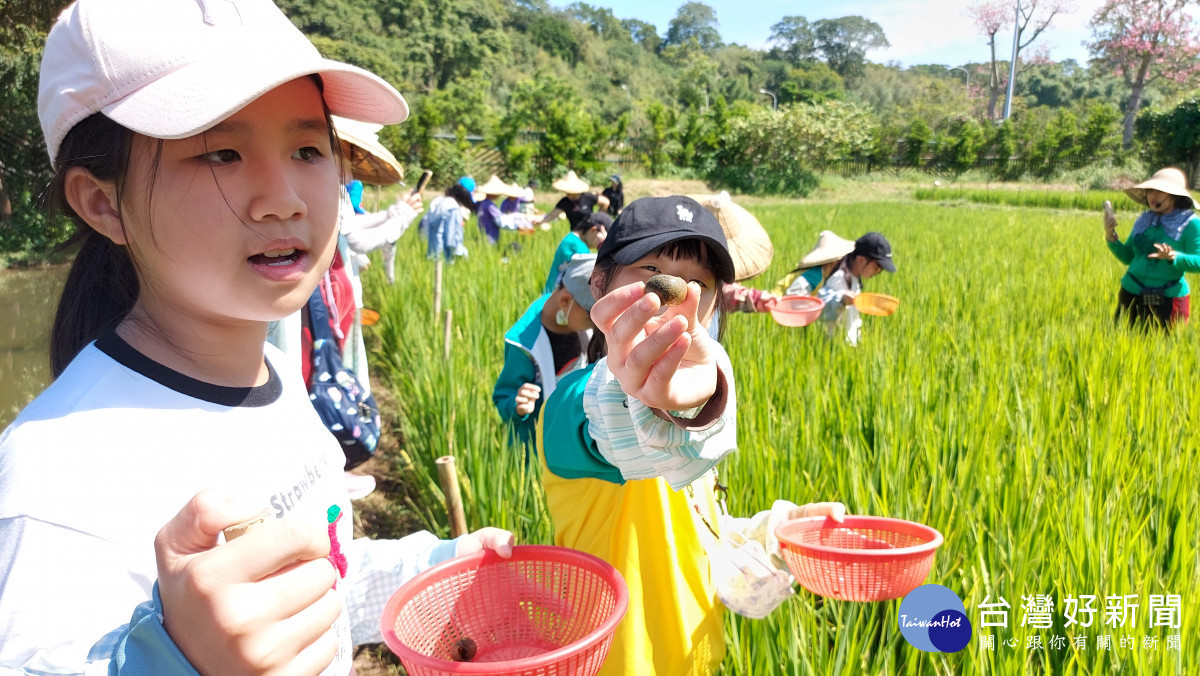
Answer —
645 530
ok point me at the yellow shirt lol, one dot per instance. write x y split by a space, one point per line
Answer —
646 531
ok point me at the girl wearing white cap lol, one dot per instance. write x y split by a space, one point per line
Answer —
1163 244
193 149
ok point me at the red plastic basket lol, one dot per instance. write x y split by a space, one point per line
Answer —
797 310
544 612
865 558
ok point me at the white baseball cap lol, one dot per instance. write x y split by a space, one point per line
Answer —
170 69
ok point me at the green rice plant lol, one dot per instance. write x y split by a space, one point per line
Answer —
1092 200
1001 405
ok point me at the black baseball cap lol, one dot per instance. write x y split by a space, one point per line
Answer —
599 218
875 246
650 222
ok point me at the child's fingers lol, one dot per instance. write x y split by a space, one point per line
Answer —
269 549
296 587
647 354
614 303
317 657
305 639
194 529
634 321
662 372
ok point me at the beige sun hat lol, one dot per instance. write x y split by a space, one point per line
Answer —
829 248
369 161
494 186
1170 180
749 244
571 184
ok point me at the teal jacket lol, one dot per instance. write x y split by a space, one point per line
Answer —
570 245
570 451
528 358
1154 273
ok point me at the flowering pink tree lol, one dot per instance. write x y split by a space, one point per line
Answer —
1143 41
1032 18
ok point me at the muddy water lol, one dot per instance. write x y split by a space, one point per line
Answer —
27 302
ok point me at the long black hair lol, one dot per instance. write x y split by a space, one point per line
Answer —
102 284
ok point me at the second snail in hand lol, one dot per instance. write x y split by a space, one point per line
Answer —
671 290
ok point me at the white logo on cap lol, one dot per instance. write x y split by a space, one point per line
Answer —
684 214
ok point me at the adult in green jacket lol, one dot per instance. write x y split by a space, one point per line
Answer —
548 341
1163 244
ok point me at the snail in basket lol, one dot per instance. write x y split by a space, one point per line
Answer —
671 290
463 650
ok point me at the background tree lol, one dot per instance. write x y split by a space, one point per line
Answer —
844 43
24 163
1172 136
693 20
644 34
1033 18
794 38
1143 41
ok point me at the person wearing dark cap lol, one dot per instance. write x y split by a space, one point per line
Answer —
582 238
615 192
630 443
871 254
547 342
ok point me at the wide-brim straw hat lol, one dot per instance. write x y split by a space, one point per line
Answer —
571 184
749 244
494 186
369 161
829 248
1170 180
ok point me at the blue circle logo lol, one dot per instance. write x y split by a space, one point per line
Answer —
933 619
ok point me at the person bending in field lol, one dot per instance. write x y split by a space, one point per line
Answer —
546 343
1163 244
871 254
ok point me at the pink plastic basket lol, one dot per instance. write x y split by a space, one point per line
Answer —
865 558
544 612
797 310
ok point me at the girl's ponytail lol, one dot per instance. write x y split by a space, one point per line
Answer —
102 284
100 290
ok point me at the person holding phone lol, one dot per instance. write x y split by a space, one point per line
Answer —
1163 244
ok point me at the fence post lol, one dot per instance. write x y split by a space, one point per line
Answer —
437 287
448 474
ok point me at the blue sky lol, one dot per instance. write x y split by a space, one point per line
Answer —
921 31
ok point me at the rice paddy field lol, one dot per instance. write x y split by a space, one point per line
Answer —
1055 451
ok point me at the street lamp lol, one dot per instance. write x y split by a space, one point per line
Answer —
774 101
968 74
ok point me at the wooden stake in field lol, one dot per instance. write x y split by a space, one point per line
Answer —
448 475
437 287
446 335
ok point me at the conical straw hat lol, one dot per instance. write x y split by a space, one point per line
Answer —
1169 180
749 244
494 186
829 248
369 161
571 184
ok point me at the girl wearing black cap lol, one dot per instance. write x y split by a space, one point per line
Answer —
871 254
630 444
